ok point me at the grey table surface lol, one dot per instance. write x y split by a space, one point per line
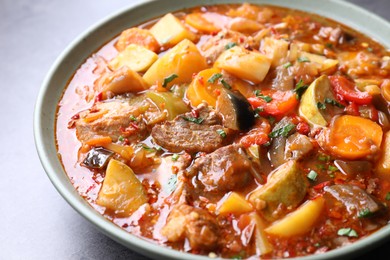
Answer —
35 221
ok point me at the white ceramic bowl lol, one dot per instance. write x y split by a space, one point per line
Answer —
81 48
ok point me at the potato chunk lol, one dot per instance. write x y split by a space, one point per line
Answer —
285 188
244 64
276 50
169 31
183 60
135 57
121 192
233 203
300 221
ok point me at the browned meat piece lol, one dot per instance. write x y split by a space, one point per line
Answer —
197 225
297 146
356 200
226 169
200 133
110 118
285 189
215 45
332 34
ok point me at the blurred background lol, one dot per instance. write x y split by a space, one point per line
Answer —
35 221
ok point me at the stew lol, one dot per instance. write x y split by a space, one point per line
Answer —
233 131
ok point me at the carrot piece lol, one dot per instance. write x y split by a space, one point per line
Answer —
354 137
199 22
137 36
99 141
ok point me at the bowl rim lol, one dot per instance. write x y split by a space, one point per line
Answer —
43 122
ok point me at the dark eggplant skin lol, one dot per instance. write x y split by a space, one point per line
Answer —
97 158
236 110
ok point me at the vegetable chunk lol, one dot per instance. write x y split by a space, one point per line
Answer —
300 221
234 203
354 137
247 65
383 167
183 60
169 31
285 187
135 57
121 192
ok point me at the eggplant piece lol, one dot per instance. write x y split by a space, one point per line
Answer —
97 158
236 111
356 200
277 149
351 168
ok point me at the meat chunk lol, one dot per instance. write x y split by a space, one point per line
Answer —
285 189
197 225
226 169
112 118
217 44
297 146
356 200
200 133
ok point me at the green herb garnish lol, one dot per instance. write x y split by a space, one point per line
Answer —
171 184
329 45
300 88
312 175
283 131
175 156
230 45
260 95
333 102
323 158
387 197
225 84
365 213
169 79
222 133
321 106
196 120
214 77
133 118
303 59
287 65
121 138
332 168
349 232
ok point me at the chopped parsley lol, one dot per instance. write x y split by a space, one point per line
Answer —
320 166
214 77
175 156
349 232
230 45
312 175
169 79
283 131
365 213
121 138
147 148
196 120
222 133
333 102
332 168
287 65
257 111
329 45
303 59
133 118
225 84
323 158
260 95
171 184
300 88
321 106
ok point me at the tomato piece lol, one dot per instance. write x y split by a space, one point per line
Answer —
345 91
258 135
282 102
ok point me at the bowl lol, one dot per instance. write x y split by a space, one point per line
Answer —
93 38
